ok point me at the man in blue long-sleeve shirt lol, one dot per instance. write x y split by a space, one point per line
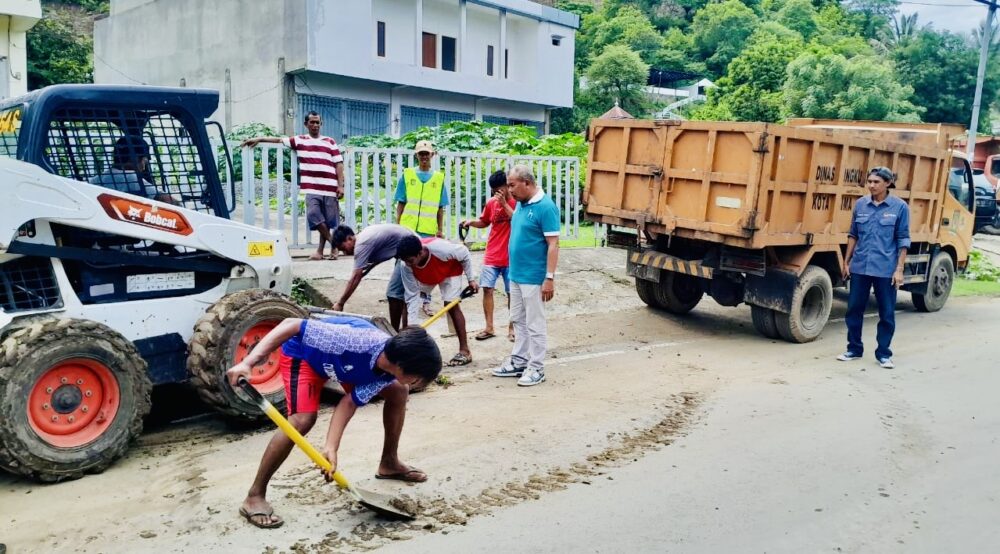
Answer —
876 252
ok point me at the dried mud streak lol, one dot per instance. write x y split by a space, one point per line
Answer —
438 514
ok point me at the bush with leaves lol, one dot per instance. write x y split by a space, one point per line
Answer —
246 131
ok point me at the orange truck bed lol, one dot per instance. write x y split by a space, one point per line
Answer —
755 185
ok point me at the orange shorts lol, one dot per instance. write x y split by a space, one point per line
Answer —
302 385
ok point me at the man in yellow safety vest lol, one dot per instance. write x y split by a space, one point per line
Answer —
421 199
421 195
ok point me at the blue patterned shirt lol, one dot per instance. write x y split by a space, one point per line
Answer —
882 230
345 349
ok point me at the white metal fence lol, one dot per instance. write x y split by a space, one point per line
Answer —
268 195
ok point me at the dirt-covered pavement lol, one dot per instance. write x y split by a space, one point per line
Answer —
628 389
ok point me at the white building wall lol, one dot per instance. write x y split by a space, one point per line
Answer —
329 49
337 27
399 30
16 17
162 42
482 30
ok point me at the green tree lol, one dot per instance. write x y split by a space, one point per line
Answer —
752 87
618 25
720 32
941 68
619 74
800 16
823 84
678 54
60 46
873 16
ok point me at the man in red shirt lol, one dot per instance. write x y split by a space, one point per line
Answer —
497 212
320 166
432 262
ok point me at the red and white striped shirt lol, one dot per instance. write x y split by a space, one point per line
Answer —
317 163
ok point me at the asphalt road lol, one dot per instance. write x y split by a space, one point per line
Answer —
821 457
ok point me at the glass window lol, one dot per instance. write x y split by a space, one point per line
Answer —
448 48
381 39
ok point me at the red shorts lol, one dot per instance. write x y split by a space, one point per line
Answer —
302 385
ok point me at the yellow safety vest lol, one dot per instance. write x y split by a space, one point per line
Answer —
422 202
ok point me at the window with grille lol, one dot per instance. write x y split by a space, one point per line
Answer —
142 152
28 283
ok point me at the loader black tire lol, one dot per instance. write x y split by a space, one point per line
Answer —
679 293
939 282
648 292
216 344
812 300
763 321
72 397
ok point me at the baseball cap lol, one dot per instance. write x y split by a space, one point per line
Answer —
424 146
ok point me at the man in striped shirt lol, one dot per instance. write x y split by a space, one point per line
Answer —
320 166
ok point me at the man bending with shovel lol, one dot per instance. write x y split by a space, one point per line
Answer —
433 262
367 362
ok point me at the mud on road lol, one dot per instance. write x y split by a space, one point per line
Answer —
622 381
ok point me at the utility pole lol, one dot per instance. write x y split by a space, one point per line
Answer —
984 52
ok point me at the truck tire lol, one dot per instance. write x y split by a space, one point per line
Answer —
939 282
225 335
647 291
72 397
678 293
763 321
812 300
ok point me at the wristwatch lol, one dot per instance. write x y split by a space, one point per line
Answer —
550 275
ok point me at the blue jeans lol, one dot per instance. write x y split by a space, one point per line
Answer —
885 295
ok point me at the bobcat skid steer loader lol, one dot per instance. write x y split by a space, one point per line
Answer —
120 270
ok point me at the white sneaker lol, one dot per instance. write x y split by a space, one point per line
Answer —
886 363
848 356
531 378
508 369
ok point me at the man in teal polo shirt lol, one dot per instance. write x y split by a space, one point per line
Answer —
534 253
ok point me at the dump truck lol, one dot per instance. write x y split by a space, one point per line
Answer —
759 213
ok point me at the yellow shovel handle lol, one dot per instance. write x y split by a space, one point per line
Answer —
438 315
294 434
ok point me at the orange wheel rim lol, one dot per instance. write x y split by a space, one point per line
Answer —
74 402
266 377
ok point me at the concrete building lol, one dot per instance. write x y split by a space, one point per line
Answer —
369 66
16 17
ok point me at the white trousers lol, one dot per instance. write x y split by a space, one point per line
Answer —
527 311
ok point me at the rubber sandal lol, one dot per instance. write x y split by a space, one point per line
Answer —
250 515
408 476
483 335
459 359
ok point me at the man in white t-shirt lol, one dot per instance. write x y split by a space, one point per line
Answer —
320 166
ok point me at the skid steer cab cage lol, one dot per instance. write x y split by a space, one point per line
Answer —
146 141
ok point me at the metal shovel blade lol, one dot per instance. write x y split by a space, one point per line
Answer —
382 505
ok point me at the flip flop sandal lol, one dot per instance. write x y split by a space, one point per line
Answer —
250 515
483 335
409 476
459 359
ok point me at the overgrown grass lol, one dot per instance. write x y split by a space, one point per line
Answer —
965 287
981 278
